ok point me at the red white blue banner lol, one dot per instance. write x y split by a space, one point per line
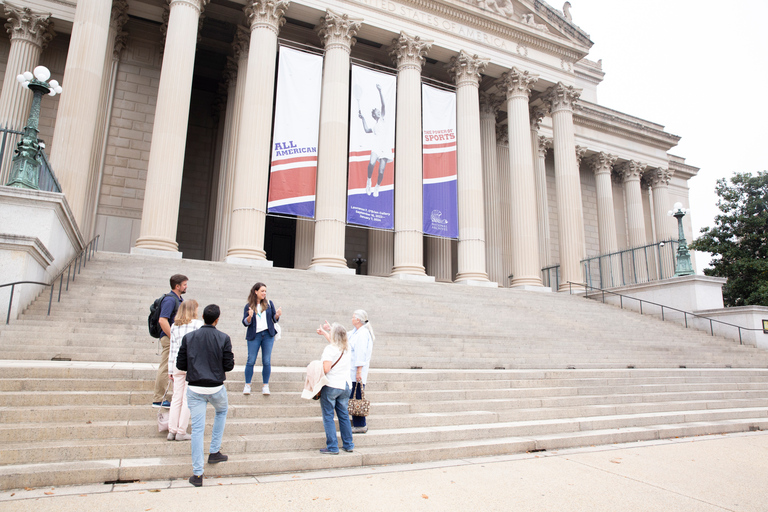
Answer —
439 187
297 123
371 181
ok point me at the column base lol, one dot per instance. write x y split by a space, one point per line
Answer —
331 270
423 278
529 288
173 255
248 262
476 282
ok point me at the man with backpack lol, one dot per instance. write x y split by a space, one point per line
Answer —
168 308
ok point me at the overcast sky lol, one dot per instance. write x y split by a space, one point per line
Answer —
700 68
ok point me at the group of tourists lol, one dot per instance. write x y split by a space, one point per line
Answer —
196 356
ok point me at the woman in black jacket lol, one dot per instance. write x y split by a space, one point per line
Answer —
260 317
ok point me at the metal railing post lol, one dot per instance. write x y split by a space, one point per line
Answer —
50 299
10 302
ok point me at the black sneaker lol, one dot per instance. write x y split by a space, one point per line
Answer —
348 450
326 451
197 481
217 457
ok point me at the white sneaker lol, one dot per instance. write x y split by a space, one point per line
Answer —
247 389
376 191
368 186
265 389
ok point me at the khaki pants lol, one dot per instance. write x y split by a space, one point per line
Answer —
161 381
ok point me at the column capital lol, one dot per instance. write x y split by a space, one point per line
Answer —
544 144
267 14
536 115
408 51
117 21
660 177
562 97
517 83
241 42
631 170
338 30
230 71
580 152
465 69
27 25
489 104
602 163
502 135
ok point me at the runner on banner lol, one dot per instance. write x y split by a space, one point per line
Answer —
370 189
439 187
297 123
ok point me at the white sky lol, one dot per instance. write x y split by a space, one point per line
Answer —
700 68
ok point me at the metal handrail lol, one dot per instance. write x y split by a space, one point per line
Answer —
685 313
72 269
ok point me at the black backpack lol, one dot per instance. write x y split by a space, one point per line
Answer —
153 320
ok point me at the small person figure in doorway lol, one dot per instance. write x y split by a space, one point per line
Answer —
381 151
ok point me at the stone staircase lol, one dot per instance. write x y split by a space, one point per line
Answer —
493 375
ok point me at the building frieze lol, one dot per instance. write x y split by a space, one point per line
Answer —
605 120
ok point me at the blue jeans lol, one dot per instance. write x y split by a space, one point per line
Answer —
357 421
336 399
264 341
197 405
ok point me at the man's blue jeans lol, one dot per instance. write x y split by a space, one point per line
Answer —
197 405
264 341
335 399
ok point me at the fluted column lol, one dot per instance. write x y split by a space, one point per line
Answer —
505 193
541 146
489 106
561 99
236 72
29 32
337 32
439 259
601 165
381 252
526 266
465 70
305 243
78 113
631 172
408 53
249 199
666 226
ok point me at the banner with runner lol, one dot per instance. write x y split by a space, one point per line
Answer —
439 187
371 181
293 172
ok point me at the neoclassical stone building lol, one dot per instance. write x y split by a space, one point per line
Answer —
162 138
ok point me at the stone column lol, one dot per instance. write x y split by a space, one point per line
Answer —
78 113
631 173
30 33
466 70
381 252
666 226
439 259
601 165
305 243
249 199
505 192
568 183
237 69
541 146
408 54
526 266
116 40
489 106
338 35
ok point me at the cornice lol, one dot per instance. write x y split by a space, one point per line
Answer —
602 119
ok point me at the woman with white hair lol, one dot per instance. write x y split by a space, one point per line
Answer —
335 395
361 344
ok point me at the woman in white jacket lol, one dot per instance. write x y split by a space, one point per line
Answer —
361 344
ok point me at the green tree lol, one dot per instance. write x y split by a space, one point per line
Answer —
739 240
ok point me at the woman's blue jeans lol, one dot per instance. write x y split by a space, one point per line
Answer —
335 399
264 341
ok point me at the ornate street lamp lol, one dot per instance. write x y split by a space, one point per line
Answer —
25 168
683 267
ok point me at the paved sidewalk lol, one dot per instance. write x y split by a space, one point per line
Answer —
702 474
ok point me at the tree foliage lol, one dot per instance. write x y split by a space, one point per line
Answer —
739 240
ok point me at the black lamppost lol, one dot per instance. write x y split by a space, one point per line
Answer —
359 262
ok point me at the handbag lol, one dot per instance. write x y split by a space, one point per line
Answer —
359 406
278 331
317 396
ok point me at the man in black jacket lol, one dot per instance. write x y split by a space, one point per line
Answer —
206 355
